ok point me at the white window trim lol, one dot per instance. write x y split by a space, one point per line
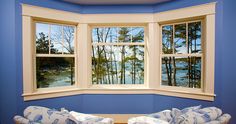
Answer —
84 23
53 55
207 12
121 86
202 55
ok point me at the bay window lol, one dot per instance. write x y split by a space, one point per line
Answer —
168 53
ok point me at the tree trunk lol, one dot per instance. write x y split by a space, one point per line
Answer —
95 65
107 61
71 72
167 72
174 72
135 64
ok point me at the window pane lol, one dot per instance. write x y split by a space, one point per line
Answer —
181 71
124 34
42 38
69 39
56 39
105 35
167 71
117 34
194 37
137 34
180 39
167 39
118 64
195 72
55 71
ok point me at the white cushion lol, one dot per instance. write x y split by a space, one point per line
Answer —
90 119
146 120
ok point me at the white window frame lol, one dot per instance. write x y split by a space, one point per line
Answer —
53 55
120 86
84 24
206 13
197 90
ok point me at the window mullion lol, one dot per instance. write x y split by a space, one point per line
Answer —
181 55
173 39
118 44
62 41
172 57
187 45
49 38
186 30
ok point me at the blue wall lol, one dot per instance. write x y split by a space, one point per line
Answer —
8 61
228 60
11 101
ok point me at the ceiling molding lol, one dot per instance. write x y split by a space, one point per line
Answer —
116 2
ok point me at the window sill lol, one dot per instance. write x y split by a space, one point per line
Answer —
76 91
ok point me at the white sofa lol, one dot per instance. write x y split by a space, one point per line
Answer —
43 115
190 115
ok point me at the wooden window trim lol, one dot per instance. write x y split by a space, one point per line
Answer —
152 23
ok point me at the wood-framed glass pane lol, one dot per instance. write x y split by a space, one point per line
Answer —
56 35
54 38
118 35
55 71
181 71
137 34
180 39
167 39
194 37
118 64
69 39
166 67
42 38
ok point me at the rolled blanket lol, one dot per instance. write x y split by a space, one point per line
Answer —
48 116
224 119
212 112
21 120
163 115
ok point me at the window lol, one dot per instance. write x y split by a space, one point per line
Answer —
168 53
55 58
182 56
118 55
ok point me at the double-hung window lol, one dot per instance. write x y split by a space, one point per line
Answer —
54 55
118 55
182 54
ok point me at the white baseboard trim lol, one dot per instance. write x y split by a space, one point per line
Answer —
119 118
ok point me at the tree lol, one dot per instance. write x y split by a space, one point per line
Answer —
67 33
105 58
167 48
42 46
193 70
123 37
